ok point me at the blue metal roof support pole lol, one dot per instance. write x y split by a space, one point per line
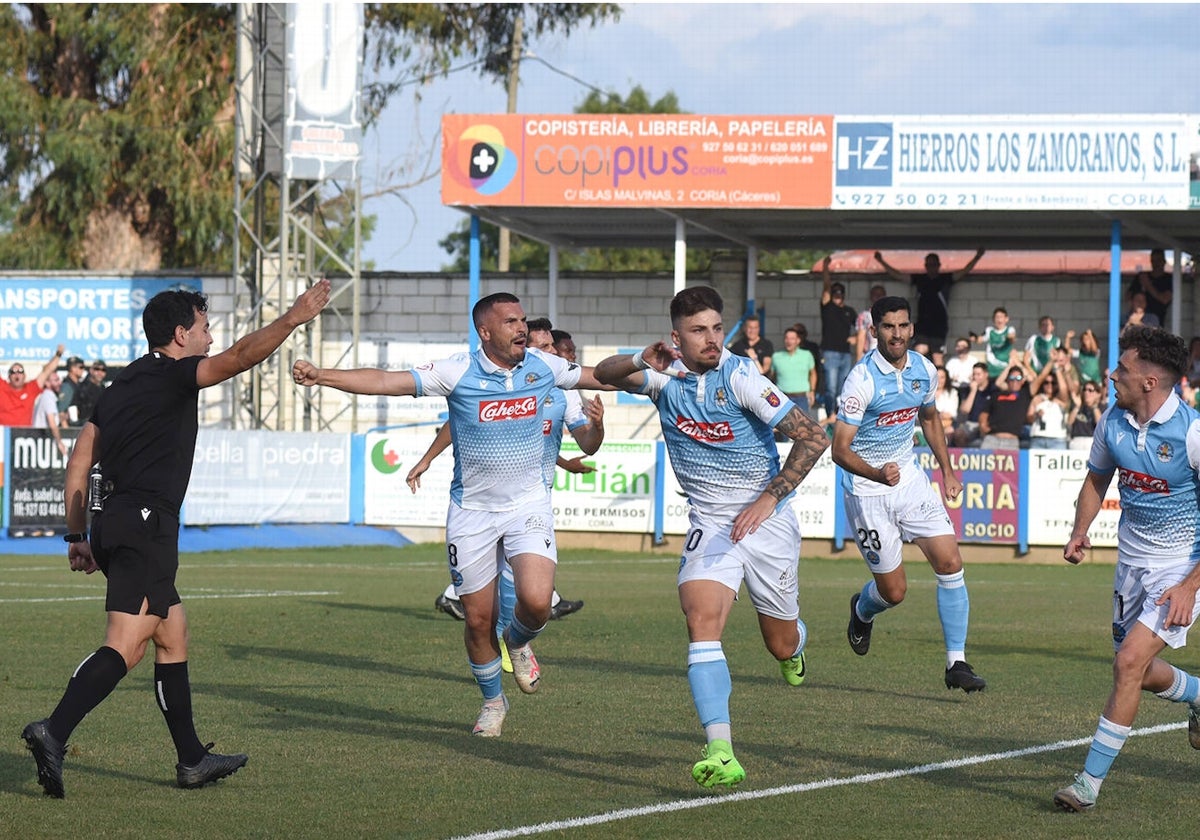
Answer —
1176 277
473 283
660 491
1114 302
552 288
680 256
751 278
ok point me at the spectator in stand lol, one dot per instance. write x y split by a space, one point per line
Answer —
960 365
865 340
1002 424
76 371
979 395
1083 417
1087 357
45 410
1039 345
1060 360
838 339
753 346
1193 371
88 392
1158 287
796 372
999 337
812 347
933 302
1138 314
946 401
19 394
1047 414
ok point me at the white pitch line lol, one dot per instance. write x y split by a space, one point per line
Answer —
745 796
100 595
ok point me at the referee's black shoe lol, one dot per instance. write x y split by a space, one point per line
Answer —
208 769
48 753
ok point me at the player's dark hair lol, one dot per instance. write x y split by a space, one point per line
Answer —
693 300
168 310
884 305
541 325
560 335
484 305
1156 346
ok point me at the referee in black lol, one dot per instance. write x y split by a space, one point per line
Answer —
143 433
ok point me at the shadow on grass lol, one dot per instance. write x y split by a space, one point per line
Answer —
336 660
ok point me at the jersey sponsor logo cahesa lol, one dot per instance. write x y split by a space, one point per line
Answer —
1143 483
720 432
897 417
517 408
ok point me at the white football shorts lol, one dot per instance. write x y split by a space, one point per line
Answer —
766 560
1135 589
882 524
472 537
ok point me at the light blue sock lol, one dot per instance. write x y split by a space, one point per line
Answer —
954 608
1106 743
519 635
508 599
708 676
803 630
1185 689
487 676
870 602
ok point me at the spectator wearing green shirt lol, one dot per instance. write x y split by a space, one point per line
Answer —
796 371
1037 349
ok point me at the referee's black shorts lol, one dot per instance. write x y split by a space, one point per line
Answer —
137 549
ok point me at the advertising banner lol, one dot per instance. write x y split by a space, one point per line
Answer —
386 497
1054 482
255 477
617 496
622 160
96 318
986 510
324 52
1026 162
38 473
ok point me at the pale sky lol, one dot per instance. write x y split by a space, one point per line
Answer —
799 59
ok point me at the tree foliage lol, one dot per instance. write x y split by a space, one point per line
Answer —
116 120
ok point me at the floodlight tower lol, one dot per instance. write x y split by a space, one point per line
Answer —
297 200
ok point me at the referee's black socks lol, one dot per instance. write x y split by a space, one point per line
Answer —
173 691
93 680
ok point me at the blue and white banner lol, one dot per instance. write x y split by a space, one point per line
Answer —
94 317
1028 162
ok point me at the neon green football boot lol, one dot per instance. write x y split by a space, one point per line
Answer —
793 669
718 766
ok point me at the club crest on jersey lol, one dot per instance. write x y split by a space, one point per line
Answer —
772 397
918 385
549 401
720 432
530 378
517 408
1164 452
722 400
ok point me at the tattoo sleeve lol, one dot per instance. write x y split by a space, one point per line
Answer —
808 442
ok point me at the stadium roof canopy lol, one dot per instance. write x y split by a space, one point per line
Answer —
772 230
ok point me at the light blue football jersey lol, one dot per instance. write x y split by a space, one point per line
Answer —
885 404
1156 468
718 430
496 423
561 410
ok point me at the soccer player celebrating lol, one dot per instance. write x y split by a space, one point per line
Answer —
888 497
498 496
717 413
1152 439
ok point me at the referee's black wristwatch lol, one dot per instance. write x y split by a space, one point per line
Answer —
75 536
